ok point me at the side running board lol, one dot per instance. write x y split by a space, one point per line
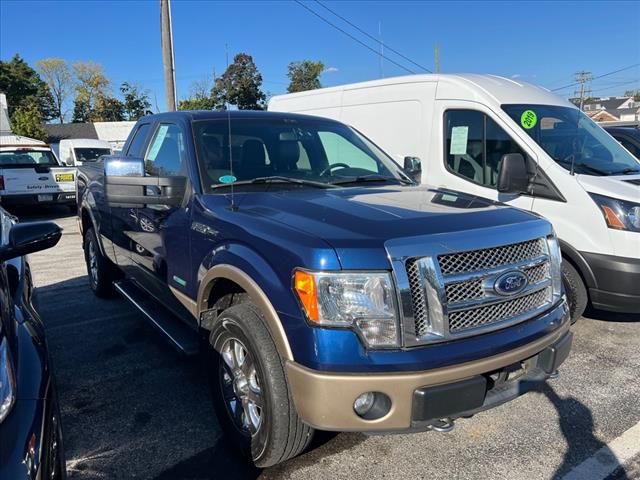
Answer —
179 335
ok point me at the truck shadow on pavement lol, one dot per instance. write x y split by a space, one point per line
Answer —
576 424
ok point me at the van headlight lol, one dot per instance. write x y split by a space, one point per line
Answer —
555 266
363 301
7 381
618 214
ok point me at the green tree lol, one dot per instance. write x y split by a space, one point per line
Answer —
57 75
304 75
633 93
136 102
27 121
24 87
199 97
108 109
239 85
91 86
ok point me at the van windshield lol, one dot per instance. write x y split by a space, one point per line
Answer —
289 153
26 157
90 154
573 140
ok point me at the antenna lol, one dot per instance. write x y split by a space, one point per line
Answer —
227 106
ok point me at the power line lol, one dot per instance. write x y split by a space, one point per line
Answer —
352 37
611 87
372 37
599 76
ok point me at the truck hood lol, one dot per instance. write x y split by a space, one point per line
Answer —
357 222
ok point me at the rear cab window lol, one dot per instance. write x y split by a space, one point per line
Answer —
26 157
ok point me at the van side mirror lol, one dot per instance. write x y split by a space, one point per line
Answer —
126 185
512 174
25 238
413 168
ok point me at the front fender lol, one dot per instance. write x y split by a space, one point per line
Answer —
255 276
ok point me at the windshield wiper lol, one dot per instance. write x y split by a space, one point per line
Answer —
274 179
626 171
371 178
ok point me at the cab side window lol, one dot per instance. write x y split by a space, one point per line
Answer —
475 145
166 153
135 147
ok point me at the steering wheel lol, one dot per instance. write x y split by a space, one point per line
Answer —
332 166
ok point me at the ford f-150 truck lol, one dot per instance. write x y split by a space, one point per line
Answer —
334 292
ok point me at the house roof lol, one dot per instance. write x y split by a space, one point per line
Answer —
626 111
607 104
57 131
601 115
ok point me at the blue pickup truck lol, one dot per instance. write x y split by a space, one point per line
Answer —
331 290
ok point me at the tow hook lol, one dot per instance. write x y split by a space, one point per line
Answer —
443 425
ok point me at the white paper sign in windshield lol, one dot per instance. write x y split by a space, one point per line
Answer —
459 137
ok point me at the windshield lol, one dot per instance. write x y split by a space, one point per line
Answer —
25 157
290 152
90 154
573 140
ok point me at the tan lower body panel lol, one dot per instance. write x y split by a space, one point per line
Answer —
325 400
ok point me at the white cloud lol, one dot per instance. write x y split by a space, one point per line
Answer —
331 70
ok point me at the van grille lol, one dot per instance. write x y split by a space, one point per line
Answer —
467 281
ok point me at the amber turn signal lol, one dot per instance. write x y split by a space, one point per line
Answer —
305 286
613 221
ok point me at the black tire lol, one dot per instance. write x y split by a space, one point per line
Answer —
102 273
54 465
279 434
575 290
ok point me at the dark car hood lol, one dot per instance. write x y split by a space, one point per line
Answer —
365 218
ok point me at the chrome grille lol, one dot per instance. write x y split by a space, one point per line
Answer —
419 303
465 285
472 261
497 312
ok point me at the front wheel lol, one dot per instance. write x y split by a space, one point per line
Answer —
250 391
575 289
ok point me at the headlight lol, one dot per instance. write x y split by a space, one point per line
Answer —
7 381
362 301
619 214
555 258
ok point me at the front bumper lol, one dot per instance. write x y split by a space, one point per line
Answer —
56 199
419 399
618 282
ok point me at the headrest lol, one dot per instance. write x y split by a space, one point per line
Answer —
253 154
288 153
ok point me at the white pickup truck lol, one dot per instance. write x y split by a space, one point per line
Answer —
30 174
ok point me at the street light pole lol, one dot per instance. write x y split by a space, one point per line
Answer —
167 55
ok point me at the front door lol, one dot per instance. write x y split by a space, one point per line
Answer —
159 234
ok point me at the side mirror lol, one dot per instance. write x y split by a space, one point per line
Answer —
25 238
413 168
512 174
125 185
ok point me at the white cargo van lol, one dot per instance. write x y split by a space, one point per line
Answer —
76 151
515 143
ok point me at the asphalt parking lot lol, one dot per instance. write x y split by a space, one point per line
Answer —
132 408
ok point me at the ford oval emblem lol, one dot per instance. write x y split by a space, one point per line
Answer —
510 283
43 179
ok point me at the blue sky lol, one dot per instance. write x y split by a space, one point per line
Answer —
540 42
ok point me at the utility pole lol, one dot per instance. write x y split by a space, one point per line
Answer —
167 55
436 54
582 77
381 48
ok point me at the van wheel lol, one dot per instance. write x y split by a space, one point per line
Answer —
575 289
250 391
100 270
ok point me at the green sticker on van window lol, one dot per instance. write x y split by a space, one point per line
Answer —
528 119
